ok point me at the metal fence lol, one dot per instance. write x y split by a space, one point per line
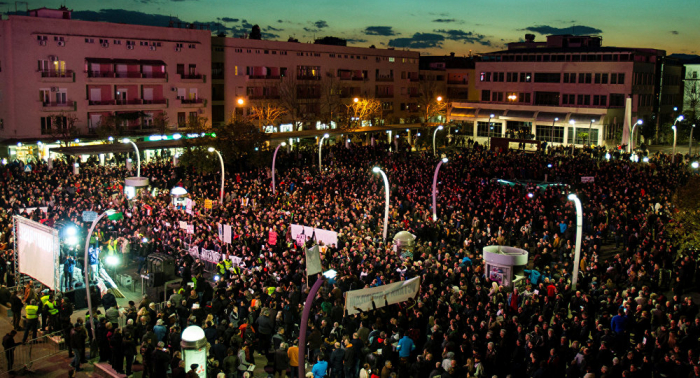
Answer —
25 355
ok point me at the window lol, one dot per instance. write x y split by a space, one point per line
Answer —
604 78
484 130
548 133
512 77
61 96
58 39
570 77
391 59
43 65
547 98
45 125
617 100
584 100
581 135
117 41
524 98
486 76
308 72
567 99
181 119
546 77
131 43
600 100
585 78
45 96
597 78
89 40
485 95
496 96
621 78
499 76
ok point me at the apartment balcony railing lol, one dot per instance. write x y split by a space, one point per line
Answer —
264 97
263 77
100 74
308 77
57 74
385 95
135 101
191 100
154 75
101 102
191 76
384 78
127 75
155 102
359 78
58 106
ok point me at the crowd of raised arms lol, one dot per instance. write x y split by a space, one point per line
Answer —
628 316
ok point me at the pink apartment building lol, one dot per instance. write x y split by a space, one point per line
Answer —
54 65
556 89
258 70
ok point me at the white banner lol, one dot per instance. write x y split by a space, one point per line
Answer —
238 261
313 261
30 210
37 251
190 229
227 234
325 236
395 293
183 225
205 255
587 178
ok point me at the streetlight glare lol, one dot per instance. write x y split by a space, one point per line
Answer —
283 144
355 99
572 197
592 120
673 127
440 127
240 101
125 140
695 165
680 118
640 122
325 135
572 121
375 169
211 149
439 98
492 116
444 160
556 119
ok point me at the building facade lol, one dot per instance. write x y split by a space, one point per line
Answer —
58 72
315 81
558 90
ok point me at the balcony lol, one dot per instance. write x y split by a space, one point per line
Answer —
102 102
385 95
414 95
308 77
192 102
457 82
359 78
161 101
264 97
384 78
263 77
58 106
414 79
128 102
67 76
127 75
100 74
193 78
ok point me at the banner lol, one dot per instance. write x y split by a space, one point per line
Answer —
313 261
587 178
183 225
395 293
188 205
207 204
272 238
221 231
326 236
190 229
237 261
227 234
205 255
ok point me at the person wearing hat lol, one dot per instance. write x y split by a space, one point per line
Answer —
193 371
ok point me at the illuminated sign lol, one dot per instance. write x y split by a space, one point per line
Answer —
157 138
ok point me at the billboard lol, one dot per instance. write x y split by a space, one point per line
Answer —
37 250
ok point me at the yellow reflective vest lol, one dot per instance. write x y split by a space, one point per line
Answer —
32 311
52 308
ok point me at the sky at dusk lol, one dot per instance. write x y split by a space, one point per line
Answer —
431 27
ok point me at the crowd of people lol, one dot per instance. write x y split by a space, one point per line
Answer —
626 318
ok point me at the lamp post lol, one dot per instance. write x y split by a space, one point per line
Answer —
434 134
572 122
490 127
240 101
675 135
444 160
221 160
138 156
320 144
274 157
579 230
86 265
633 143
386 191
551 134
589 132
690 144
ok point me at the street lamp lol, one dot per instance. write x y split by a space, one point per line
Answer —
589 131
675 134
444 160
386 191
138 156
320 144
434 134
551 135
490 127
221 160
579 230
690 144
239 102
632 140
274 157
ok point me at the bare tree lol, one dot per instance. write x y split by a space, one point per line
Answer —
63 125
364 109
267 113
162 122
431 102
330 103
692 96
288 90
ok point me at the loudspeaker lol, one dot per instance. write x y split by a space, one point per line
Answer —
78 298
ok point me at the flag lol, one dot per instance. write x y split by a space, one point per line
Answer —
114 215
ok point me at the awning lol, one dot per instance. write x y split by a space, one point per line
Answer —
586 118
485 113
520 114
463 112
116 148
125 61
547 116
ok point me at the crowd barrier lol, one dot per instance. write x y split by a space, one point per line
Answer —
25 355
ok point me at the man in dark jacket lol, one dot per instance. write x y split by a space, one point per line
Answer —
231 363
8 342
336 363
78 337
265 327
16 306
281 361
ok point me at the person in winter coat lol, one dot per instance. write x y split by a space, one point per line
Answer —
116 344
281 361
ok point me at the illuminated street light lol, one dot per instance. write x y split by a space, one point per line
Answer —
675 135
632 140
434 134
386 192
444 160
274 158
320 145
138 156
221 160
579 230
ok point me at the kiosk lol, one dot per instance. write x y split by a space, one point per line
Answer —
405 242
504 265
132 186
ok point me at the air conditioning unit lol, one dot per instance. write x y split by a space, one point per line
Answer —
173 89
178 49
105 44
61 43
42 42
152 48
53 58
130 47
54 89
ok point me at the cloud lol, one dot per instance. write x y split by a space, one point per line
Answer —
356 40
574 30
379 30
280 21
320 24
464 37
270 28
418 41
445 20
674 32
229 19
